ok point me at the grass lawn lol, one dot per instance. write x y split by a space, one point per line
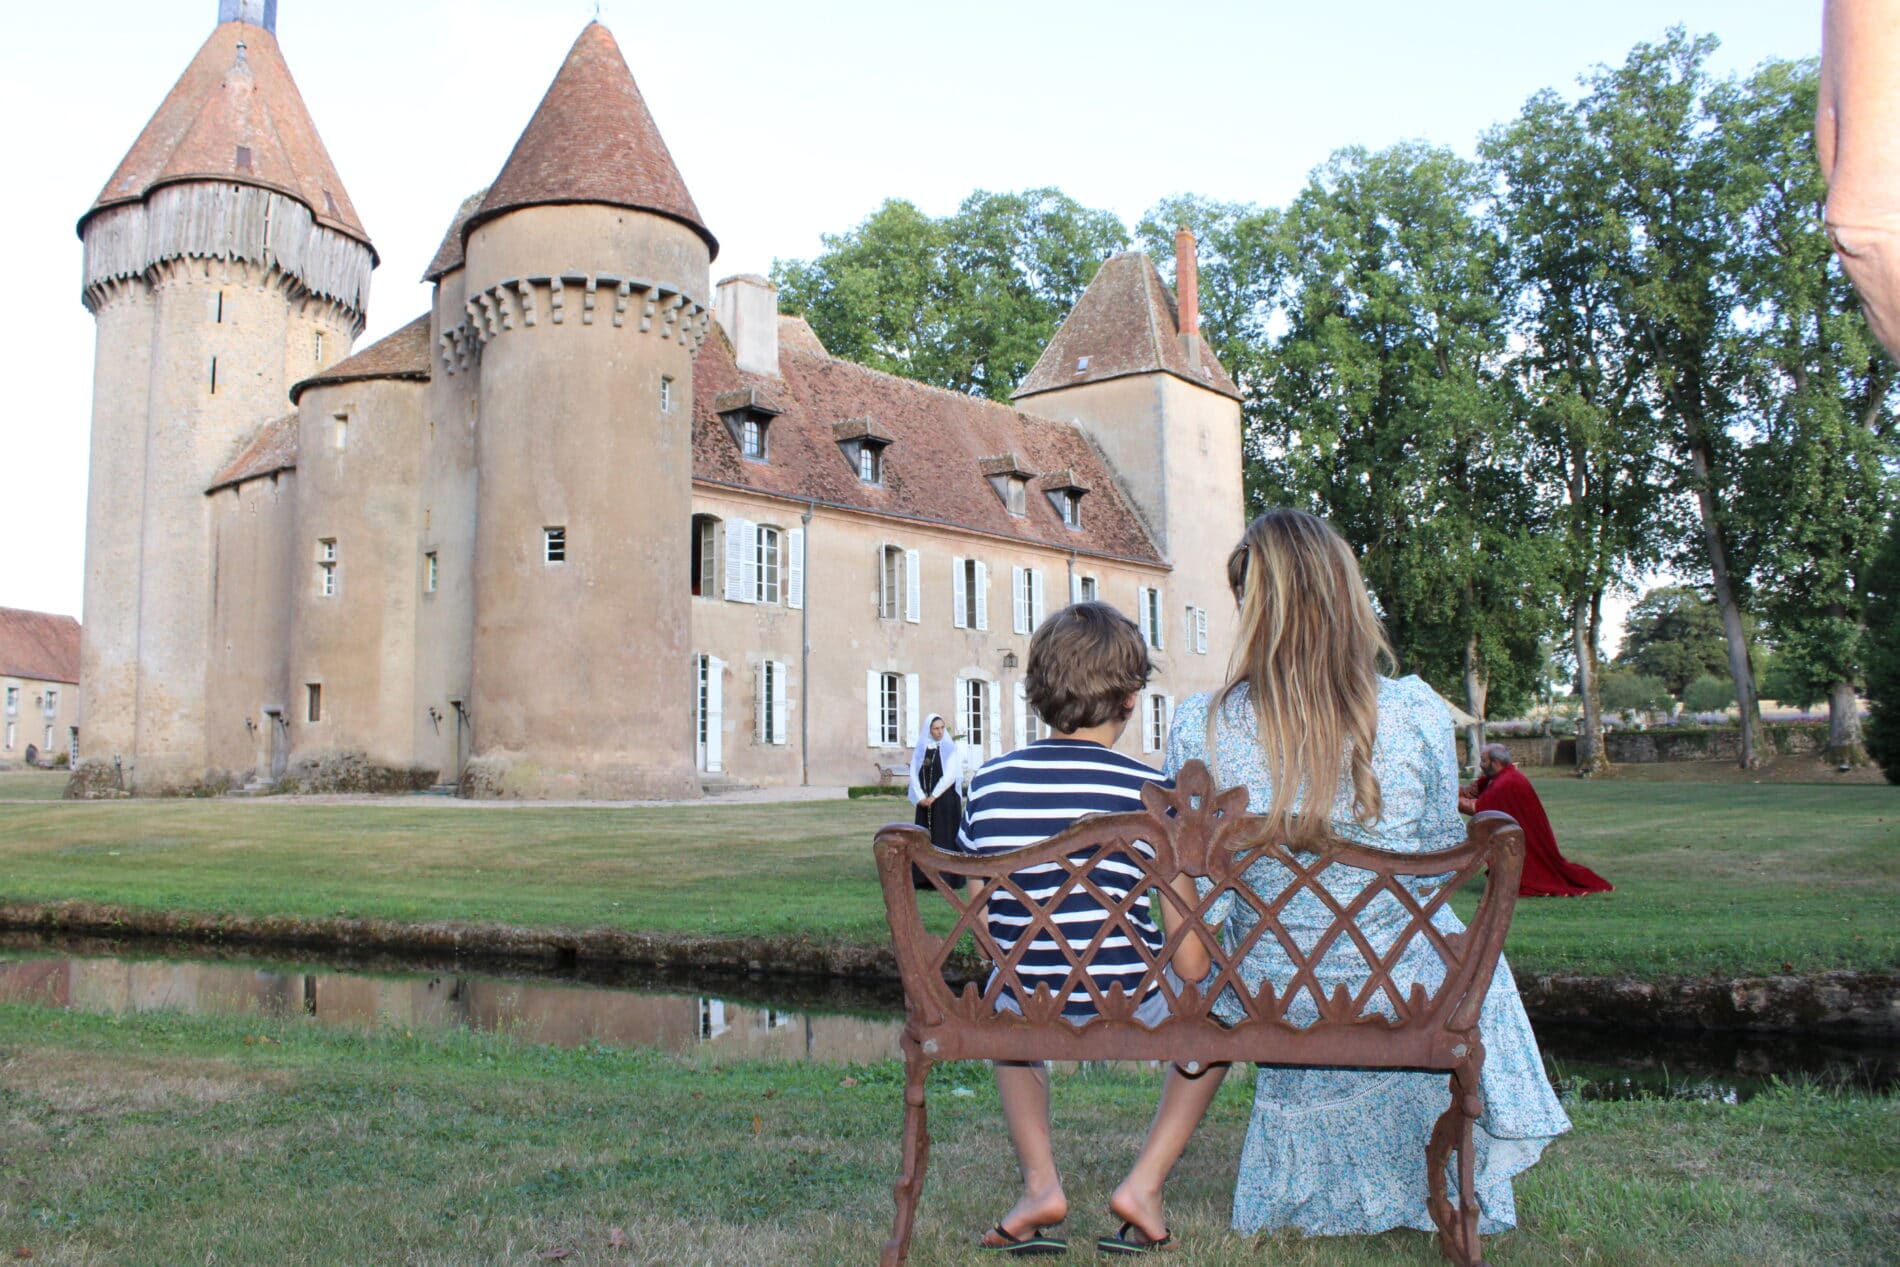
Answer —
32 785
164 1139
1735 879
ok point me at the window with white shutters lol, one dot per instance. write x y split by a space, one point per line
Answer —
980 592
795 569
705 556
1200 630
1035 598
766 569
890 582
971 707
1154 736
1019 599
742 564
711 673
770 701
1081 588
890 720
1148 615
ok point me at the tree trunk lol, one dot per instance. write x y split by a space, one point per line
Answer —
1591 761
1739 668
1474 702
1844 747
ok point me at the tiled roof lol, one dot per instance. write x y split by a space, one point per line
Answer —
932 469
404 354
272 449
796 333
1125 323
39 645
592 139
448 256
235 115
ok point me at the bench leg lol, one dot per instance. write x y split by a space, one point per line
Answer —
910 1184
1458 1236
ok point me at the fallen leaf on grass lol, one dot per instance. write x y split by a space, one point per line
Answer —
758 1124
23 1252
616 1238
558 1252
848 1082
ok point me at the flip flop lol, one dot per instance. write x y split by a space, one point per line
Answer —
1040 1244
1131 1241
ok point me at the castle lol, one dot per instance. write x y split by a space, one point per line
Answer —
590 526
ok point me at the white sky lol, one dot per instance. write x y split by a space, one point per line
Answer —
786 120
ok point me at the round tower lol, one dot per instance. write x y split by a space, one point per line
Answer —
223 262
585 297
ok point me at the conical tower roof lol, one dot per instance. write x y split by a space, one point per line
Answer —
1125 323
235 115
592 139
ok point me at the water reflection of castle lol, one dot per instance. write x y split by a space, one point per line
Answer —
561 1015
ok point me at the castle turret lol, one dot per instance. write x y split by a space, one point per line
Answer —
585 294
1130 368
223 261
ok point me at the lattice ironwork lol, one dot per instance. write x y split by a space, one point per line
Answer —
1410 1010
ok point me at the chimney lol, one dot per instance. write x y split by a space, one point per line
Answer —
746 307
1187 293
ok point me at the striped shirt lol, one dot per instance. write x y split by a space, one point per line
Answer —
1023 798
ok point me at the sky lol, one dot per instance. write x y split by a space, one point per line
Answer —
787 121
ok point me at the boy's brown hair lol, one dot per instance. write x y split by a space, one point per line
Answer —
1084 663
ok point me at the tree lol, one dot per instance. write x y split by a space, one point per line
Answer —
1815 389
1674 634
1626 691
965 302
1384 408
1883 654
1579 370
1708 694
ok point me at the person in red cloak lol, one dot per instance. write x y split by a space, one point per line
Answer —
1503 787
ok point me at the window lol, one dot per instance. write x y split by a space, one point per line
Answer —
314 695
870 464
890 704
767 566
970 597
890 583
342 432
1154 736
708 720
214 376
13 700
666 394
1148 615
431 573
1196 629
1016 495
217 309
1081 588
554 544
752 438
316 349
771 702
975 722
46 745
52 701
326 567
1071 508
705 556
1026 591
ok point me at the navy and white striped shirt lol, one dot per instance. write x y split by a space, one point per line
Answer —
1023 798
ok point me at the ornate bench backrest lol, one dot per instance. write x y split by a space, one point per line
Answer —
1369 980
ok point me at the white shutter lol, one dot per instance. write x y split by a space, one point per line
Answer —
761 690
740 544
1141 614
982 595
1035 599
993 714
913 588
873 702
780 711
1022 716
963 710
1075 587
1200 630
1019 601
749 552
795 568
715 714
957 595
1148 722
912 718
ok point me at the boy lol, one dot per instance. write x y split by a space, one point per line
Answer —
1087 665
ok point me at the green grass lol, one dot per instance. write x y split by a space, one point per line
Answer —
163 1139
32 785
1729 879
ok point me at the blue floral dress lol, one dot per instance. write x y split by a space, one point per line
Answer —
1335 1152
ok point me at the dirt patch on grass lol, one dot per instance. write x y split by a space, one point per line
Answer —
82 1084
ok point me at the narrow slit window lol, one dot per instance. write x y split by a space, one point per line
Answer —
214 376
342 422
314 697
666 394
326 567
431 574
554 544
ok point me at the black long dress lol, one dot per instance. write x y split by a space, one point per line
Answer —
943 816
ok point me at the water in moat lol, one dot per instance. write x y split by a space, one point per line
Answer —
758 1018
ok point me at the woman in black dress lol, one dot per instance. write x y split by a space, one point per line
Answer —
936 770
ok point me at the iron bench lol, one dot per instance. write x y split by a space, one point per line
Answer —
1207 834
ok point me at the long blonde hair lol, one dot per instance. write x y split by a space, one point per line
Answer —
1310 652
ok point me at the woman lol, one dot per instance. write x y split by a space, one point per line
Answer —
936 768
1331 750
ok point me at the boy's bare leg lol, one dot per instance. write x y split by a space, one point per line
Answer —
1024 1089
1184 1101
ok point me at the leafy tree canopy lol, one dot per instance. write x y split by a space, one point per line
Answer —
1674 634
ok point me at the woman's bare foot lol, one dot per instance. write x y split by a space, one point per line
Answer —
1035 1210
1142 1208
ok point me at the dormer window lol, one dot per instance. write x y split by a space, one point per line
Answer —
1065 491
863 445
1010 478
748 417
1081 365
